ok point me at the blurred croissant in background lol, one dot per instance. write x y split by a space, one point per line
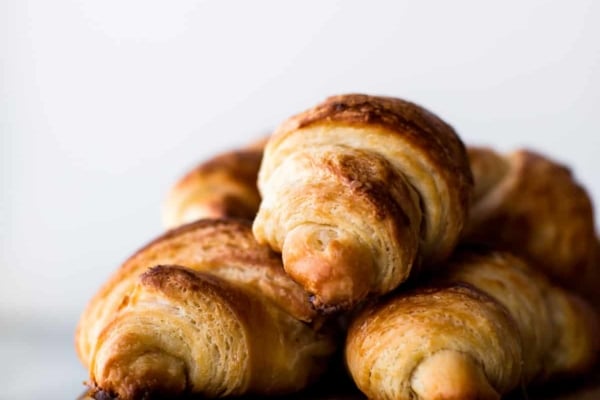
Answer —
223 186
533 206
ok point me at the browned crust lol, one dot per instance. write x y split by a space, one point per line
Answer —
436 139
355 171
249 253
442 287
178 282
241 164
231 206
234 225
373 181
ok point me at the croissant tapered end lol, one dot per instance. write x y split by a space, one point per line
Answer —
153 375
357 191
452 375
451 341
313 260
177 330
224 186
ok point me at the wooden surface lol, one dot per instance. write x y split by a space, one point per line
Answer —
339 388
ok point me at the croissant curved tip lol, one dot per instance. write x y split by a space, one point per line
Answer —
451 375
153 374
326 263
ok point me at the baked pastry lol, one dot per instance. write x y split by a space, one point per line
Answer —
357 192
224 186
489 324
203 309
533 206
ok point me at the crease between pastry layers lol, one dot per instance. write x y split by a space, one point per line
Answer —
358 191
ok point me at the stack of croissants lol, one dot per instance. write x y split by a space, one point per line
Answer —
361 231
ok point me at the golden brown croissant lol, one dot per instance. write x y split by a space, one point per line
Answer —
489 325
358 191
531 205
203 309
224 186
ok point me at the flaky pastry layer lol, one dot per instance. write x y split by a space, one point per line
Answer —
357 191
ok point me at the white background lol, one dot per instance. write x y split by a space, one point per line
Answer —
104 104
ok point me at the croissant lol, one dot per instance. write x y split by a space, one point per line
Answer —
203 309
531 205
224 186
491 323
357 192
